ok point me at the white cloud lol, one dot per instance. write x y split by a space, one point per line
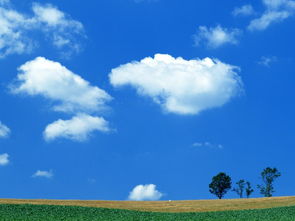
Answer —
244 10
43 173
13 28
55 82
49 15
180 86
267 60
68 93
78 128
4 159
62 30
4 131
208 145
276 11
267 19
215 37
277 4
145 192
16 29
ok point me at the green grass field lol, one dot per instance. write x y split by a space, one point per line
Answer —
175 206
11 212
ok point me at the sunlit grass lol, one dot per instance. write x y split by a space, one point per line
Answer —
170 206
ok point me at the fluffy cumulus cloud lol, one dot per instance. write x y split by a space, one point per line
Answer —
4 159
69 91
145 192
180 86
244 10
78 128
275 11
43 173
16 29
215 37
4 131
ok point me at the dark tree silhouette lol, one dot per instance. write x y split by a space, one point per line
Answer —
249 189
220 184
239 189
268 176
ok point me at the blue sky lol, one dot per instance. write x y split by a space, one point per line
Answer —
101 98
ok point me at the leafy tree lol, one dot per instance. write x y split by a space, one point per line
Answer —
268 176
249 189
220 184
240 188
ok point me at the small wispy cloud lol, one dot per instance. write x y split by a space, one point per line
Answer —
4 159
208 145
215 37
245 10
43 173
18 29
4 131
267 60
275 11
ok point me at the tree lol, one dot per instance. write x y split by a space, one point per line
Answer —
268 176
240 188
220 184
249 189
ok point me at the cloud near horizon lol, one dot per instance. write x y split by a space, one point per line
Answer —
145 192
180 86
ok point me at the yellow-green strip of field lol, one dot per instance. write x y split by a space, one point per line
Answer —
168 206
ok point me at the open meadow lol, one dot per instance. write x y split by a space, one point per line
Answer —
147 110
74 213
262 209
169 206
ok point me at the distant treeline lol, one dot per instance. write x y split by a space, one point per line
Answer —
222 183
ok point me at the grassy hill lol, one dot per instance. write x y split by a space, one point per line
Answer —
170 206
72 213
